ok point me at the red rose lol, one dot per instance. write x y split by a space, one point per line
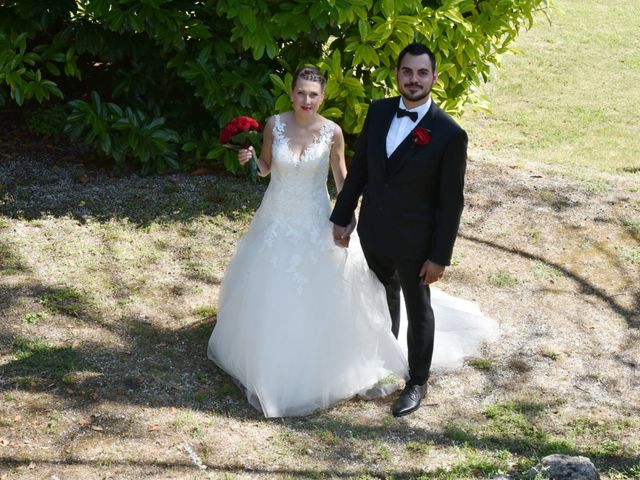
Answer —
421 136
226 134
245 124
236 126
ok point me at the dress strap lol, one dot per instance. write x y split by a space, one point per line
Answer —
326 133
278 129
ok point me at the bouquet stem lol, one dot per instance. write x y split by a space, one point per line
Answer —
253 164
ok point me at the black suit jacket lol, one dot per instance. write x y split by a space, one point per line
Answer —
413 200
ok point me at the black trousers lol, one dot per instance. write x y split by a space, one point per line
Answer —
402 275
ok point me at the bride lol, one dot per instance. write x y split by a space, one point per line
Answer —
302 323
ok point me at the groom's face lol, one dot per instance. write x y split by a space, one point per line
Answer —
415 77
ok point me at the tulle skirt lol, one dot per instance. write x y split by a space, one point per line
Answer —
303 324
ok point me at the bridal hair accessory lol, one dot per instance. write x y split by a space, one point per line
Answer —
421 136
243 132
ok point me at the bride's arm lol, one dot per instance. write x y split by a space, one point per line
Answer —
339 169
264 161
338 165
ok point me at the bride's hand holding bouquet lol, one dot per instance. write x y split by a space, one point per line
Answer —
247 155
243 134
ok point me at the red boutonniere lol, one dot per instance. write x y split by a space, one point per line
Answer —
421 136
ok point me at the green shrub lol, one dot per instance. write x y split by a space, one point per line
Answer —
199 64
123 133
46 121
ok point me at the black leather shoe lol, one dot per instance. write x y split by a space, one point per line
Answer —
409 400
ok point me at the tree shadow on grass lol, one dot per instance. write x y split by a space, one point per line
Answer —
162 367
11 261
173 372
62 341
35 189
155 366
516 427
133 361
631 315
347 441
186 468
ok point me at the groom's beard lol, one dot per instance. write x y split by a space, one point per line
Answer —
417 96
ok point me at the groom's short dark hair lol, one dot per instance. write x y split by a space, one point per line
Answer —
417 48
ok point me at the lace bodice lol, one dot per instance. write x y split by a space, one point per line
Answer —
297 200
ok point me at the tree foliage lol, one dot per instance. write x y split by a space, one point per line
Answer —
163 76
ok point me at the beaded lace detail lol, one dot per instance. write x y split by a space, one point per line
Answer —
324 138
296 205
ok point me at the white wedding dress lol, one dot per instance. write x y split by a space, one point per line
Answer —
303 324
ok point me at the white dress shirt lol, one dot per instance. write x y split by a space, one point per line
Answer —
401 127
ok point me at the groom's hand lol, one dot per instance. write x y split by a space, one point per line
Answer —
342 235
431 272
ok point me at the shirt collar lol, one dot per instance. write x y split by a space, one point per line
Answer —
420 109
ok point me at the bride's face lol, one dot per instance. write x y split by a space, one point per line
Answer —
306 96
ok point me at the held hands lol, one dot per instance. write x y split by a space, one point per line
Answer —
342 235
431 272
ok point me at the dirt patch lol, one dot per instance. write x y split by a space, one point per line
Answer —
108 291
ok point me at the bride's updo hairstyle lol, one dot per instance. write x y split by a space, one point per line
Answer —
311 74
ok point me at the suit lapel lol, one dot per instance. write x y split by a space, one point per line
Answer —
389 115
402 152
386 118
382 123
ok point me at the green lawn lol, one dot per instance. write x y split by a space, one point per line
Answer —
571 96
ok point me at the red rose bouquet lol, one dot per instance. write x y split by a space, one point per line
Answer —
243 132
421 136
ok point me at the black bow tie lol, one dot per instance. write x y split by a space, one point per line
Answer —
406 113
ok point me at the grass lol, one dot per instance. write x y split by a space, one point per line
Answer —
207 311
481 363
533 234
633 224
630 254
568 99
418 448
36 355
596 186
66 300
550 354
474 465
503 278
544 271
9 262
35 317
514 426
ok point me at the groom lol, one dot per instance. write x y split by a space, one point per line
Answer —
409 167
